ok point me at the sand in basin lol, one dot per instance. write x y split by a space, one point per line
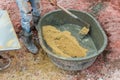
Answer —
63 43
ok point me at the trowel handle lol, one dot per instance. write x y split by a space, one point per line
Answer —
54 3
68 12
72 15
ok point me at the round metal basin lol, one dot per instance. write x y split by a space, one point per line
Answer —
95 41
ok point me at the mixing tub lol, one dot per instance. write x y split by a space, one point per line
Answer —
95 41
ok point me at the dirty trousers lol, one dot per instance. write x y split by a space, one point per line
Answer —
26 12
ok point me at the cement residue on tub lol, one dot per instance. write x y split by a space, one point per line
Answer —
63 43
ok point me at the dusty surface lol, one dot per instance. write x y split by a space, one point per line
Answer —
25 66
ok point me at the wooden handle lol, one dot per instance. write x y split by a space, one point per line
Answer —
68 12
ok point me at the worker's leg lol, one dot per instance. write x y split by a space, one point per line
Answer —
25 18
25 21
35 10
35 7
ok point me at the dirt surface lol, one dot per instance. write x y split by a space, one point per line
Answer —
26 66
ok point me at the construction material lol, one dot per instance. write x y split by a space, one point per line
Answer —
63 43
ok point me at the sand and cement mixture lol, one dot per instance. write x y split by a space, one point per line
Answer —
63 43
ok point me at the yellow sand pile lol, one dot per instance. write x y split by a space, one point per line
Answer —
62 43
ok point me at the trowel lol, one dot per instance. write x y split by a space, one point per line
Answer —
85 28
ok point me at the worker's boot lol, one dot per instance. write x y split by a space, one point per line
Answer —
27 39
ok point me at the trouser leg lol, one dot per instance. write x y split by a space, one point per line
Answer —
25 17
25 21
35 7
35 11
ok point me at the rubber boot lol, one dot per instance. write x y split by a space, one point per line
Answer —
27 39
